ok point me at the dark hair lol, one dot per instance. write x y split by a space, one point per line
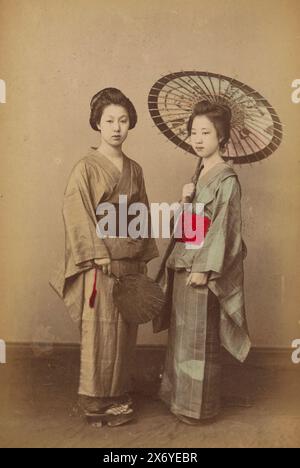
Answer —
218 114
104 98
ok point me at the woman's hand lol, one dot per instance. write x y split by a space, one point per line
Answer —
188 191
197 279
104 264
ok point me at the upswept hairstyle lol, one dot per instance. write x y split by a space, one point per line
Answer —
104 98
218 114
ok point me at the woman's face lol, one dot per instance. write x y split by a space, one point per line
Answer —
114 125
204 137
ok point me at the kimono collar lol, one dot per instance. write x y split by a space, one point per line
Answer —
122 181
105 163
214 172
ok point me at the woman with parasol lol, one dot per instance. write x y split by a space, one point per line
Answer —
225 120
86 281
208 297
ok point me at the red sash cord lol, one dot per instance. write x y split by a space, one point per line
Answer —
94 292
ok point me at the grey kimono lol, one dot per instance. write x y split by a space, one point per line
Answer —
221 256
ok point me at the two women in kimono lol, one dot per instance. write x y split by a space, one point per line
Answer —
91 262
208 297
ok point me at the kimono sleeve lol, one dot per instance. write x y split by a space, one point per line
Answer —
223 242
150 249
80 218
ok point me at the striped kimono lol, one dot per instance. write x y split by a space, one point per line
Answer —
207 317
107 341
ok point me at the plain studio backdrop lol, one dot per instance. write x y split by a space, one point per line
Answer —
55 55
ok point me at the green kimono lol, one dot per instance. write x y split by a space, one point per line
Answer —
221 255
107 342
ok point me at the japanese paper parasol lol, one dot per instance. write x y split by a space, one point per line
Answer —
256 130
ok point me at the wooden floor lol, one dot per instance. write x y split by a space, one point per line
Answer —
39 409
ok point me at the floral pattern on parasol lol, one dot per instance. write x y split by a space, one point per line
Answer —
256 130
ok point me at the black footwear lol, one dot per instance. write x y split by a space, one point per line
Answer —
119 414
196 422
92 405
95 406
96 413
120 420
187 419
115 415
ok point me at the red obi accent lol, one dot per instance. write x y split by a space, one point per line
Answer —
192 223
94 292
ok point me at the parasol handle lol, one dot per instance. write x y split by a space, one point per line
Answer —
172 242
194 180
